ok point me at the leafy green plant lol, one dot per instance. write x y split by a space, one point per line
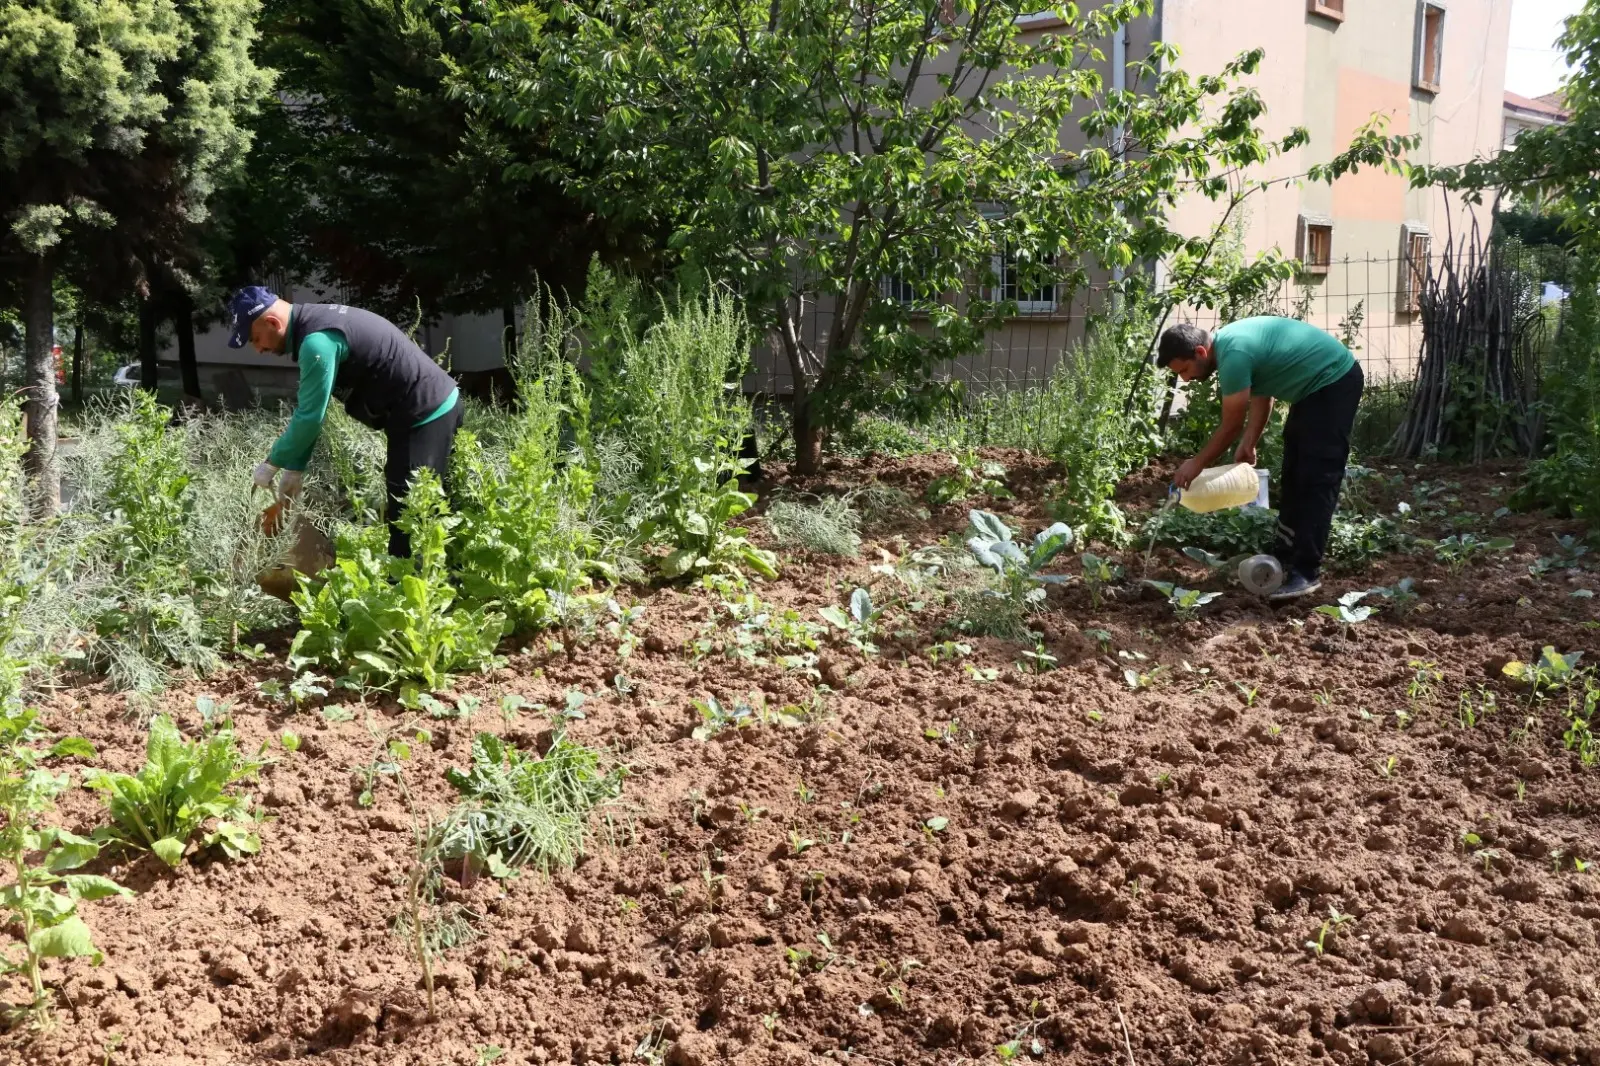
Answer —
827 525
1460 549
1018 586
973 477
1185 603
1402 596
395 622
859 624
41 901
429 923
1098 574
1473 707
520 810
949 650
715 717
1349 612
1551 671
182 786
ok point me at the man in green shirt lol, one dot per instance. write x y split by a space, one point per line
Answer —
1257 361
382 378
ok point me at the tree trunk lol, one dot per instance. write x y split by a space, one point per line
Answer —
77 361
147 344
183 323
807 437
508 327
39 389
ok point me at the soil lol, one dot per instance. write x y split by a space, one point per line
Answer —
1099 873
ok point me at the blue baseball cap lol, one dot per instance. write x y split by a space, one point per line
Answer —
243 310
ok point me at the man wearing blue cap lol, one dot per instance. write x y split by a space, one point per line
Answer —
382 378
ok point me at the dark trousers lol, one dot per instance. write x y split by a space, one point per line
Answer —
410 450
1316 447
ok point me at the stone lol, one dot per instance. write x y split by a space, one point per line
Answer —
1386 1048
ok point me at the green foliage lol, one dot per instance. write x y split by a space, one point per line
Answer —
523 541
1458 550
1017 585
1097 574
1349 611
1231 532
396 621
973 477
1185 603
519 810
182 786
859 624
827 525
751 186
41 900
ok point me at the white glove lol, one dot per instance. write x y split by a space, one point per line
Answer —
264 474
291 482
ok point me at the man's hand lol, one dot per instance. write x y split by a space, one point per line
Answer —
263 476
1187 473
291 482
1246 453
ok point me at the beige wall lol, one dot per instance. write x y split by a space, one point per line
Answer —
1331 77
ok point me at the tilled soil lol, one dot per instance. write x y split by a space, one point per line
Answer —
933 867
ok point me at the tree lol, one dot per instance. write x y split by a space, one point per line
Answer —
121 116
808 150
438 214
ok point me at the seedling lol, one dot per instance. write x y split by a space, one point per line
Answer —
1474 707
1402 596
1038 660
937 824
945 733
1097 574
973 477
1319 946
1551 671
948 651
1424 676
860 624
511 705
1185 603
1101 637
982 676
1347 611
1459 550
1389 767
1248 692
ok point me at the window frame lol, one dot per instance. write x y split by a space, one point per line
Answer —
1420 50
1302 243
998 263
1412 283
1332 10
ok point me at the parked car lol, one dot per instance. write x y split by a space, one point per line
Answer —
128 377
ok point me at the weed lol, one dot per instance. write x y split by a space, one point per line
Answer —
827 525
394 753
429 926
948 651
182 785
518 810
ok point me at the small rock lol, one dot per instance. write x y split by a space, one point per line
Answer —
353 1012
1279 892
1464 930
284 794
1033 971
1233 1018
1532 770
1019 803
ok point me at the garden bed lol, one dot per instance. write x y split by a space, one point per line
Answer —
1125 857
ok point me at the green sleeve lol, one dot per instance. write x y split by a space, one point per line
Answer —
1234 365
320 354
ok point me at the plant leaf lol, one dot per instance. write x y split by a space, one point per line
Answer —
93 886
168 850
73 746
68 940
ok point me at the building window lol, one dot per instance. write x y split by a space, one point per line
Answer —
1430 46
1328 9
1415 248
896 288
1314 249
1033 298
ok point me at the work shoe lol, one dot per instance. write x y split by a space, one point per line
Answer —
1297 586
